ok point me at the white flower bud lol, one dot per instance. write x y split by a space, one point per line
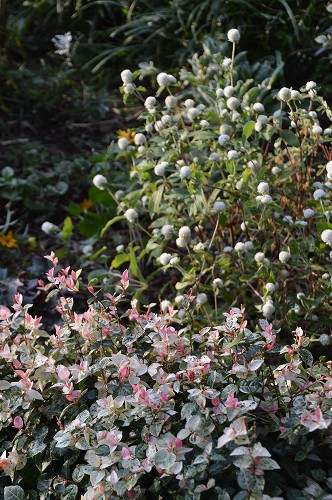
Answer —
263 119
219 206
268 309
126 76
217 283
232 155
233 35
258 126
226 62
240 247
259 257
308 213
324 339
139 139
166 120
204 123
129 88
119 248
164 305
185 172
265 199
284 94
263 188
228 249
214 157
189 103
225 129
131 215
310 85
317 130
123 143
159 126
118 194
285 256
167 230
165 259
327 237
179 299
171 102
233 103
185 234
223 138
192 113
163 79
295 94
270 287
174 261
229 91
48 227
150 102
319 194
99 181
201 299
181 314
159 169
258 107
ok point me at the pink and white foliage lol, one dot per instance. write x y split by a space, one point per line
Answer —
145 394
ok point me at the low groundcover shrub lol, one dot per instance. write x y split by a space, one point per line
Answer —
117 402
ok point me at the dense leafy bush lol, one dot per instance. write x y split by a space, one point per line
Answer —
249 181
120 403
220 201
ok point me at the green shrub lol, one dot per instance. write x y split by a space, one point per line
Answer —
249 180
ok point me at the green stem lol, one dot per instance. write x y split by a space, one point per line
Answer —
214 233
232 65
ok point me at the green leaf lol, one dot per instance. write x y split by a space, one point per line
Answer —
300 456
248 129
246 173
67 228
14 493
74 209
156 199
307 357
290 138
102 197
110 223
120 259
134 268
236 341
